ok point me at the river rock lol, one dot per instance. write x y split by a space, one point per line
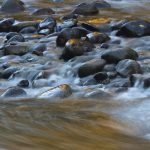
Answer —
16 49
12 6
89 27
91 67
6 24
114 56
128 67
101 4
48 23
18 26
11 34
23 83
119 82
101 77
97 94
28 30
61 91
16 38
69 23
43 11
135 28
118 25
8 72
38 47
76 47
109 67
97 37
141 80
86 9
70 33
14 92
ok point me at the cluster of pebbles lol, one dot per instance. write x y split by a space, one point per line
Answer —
68 57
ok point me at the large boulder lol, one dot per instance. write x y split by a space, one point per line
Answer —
12 6
114 56
136 28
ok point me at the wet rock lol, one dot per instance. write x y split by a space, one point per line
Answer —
90 27
140 80
86 9
104 45
70 16
48 23
128 67
104 28
75 47
18 26
28 30
101 77
114 56
11 34
101 4
136 28
97 37
38 47
109 67
23 83
8 72
16 38
12 6
6 24
40 83
26 74
43 11
70 23
45 31
17 49
97 94
14 92
70 33
61 91
112 74
119 82
91 67
118 25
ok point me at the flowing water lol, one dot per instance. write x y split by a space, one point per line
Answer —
118 123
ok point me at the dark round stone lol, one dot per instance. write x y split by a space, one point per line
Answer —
23 83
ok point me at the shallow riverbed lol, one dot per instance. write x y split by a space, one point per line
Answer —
110 121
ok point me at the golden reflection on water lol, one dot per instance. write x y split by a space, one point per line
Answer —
65 125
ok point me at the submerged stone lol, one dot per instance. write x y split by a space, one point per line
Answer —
61 91
14 92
